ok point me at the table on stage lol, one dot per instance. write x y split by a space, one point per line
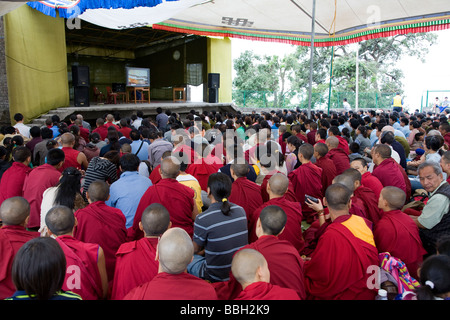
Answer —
142 90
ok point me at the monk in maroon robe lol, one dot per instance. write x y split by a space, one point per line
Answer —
366 196
367 179
277 189
307 180
172 281
177 198
252 272
338 269
11 184
85 267
396 232
245 193
337 155
202 168
136 263
343 144
14 213
40 179
387 170
324 162
101 224
290 193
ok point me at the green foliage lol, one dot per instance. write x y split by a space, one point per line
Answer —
272 81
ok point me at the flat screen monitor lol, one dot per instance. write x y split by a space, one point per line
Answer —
138 77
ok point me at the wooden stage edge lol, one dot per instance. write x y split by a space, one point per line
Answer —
92 112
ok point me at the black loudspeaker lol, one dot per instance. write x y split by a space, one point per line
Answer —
213 94
213 80
81 96
80 76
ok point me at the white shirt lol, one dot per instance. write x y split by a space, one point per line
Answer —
23 129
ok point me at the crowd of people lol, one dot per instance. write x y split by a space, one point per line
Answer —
278 205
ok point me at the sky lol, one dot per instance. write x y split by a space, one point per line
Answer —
433 74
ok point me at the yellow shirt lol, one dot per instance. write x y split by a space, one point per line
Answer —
191 182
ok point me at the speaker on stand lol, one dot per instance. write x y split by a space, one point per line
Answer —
213 87
81 84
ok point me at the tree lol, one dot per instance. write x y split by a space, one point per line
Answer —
378 71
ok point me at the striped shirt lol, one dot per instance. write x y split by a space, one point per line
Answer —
60 295
99 169
221 236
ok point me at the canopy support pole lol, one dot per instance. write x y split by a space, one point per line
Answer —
311 62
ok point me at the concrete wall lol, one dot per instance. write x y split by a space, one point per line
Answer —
4 99
220 61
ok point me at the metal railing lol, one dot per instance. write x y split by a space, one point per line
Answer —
319 100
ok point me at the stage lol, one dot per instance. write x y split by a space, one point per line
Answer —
94 111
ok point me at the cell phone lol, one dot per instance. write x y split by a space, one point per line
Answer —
311 198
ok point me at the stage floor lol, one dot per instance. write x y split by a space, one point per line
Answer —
95 111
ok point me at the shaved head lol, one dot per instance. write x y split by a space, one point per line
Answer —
67 138
170 167
353 173
332 142
245 265
395 197
273 219
306 150
279 184
321 149
175 251
346 180
60 220
338 196
14 211
240 169
98 191
155 219
383 150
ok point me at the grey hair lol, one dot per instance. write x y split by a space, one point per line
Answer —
436 167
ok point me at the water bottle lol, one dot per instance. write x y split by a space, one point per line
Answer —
382 295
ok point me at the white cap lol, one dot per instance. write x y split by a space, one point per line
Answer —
382 292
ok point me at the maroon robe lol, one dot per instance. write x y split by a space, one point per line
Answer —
329 171
266 291
11 239
340 159
281 255
165 286
293 229
202 168
135 266
175 197
105 226
390 173
370 203
343 144
311 135
85 257
155 176
338 266
246 194
11 184
290 193
102 131
38 180
307 180
397 234
372 182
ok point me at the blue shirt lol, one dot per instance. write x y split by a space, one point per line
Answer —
143 153
126 193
